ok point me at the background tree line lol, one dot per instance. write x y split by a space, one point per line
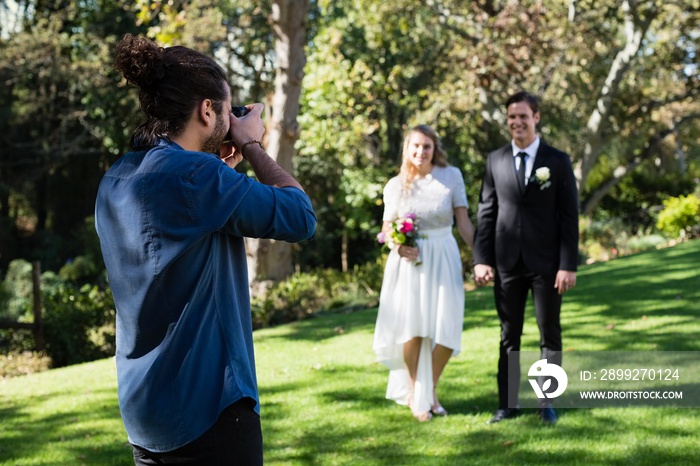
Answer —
342 81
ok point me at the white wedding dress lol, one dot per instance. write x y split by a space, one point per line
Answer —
424 300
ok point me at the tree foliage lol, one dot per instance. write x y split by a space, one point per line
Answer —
680 216
617 87
618 80
64 118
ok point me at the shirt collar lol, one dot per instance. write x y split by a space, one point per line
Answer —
530 150
160 142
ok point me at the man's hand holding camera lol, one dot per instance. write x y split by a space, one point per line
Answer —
245 126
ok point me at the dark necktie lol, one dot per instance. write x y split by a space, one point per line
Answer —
521 170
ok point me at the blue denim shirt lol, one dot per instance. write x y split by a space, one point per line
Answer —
171 225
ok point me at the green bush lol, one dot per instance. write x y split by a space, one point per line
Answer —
16 304
305 294
16 292
79 269
17 340
602 240
18 363
87 266
680 216
643 243
79 321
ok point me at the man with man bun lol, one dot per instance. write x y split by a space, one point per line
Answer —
172 215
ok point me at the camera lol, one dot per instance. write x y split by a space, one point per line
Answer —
239 111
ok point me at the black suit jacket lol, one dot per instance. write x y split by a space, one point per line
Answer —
541 223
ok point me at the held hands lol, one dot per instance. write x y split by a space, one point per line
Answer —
483 274
564 281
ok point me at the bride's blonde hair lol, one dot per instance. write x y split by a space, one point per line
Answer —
408 171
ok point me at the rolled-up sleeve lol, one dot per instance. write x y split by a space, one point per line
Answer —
230 201
278 213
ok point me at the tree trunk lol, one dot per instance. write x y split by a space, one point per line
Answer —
344 251
597 194
270 260
595 140
38 320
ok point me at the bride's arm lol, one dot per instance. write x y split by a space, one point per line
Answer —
465 226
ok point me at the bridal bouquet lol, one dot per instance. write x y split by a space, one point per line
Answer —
404 230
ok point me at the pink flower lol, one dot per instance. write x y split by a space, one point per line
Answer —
381 237
407 227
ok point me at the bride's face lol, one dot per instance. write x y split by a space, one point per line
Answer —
420 150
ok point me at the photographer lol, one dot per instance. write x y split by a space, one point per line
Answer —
172 216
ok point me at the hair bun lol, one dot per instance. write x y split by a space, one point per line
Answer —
140 61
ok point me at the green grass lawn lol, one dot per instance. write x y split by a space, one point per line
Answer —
323 402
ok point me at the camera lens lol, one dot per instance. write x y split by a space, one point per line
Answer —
239 111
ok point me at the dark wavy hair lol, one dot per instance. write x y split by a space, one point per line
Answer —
526 97
172 82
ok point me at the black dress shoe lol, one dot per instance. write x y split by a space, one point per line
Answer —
548 415
503 413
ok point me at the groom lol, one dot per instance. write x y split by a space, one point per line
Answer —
528 231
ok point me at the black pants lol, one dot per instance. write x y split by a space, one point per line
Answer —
235 439
511 291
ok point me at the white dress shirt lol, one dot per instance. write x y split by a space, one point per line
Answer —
531 152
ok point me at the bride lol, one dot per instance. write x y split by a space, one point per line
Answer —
421 305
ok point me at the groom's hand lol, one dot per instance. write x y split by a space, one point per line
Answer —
564 281
483 274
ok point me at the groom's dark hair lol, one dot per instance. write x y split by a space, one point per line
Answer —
523 96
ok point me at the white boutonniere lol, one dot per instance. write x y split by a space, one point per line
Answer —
542 176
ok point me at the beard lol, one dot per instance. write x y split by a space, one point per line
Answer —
213 143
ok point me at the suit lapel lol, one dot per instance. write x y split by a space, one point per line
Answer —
508 168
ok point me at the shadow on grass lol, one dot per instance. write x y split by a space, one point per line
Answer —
75 429
523 441
667 274
325 326
654 284
496 445
659 283
643 299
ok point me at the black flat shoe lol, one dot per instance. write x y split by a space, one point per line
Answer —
504 413
548 415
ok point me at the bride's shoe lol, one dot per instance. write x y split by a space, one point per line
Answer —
437 408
